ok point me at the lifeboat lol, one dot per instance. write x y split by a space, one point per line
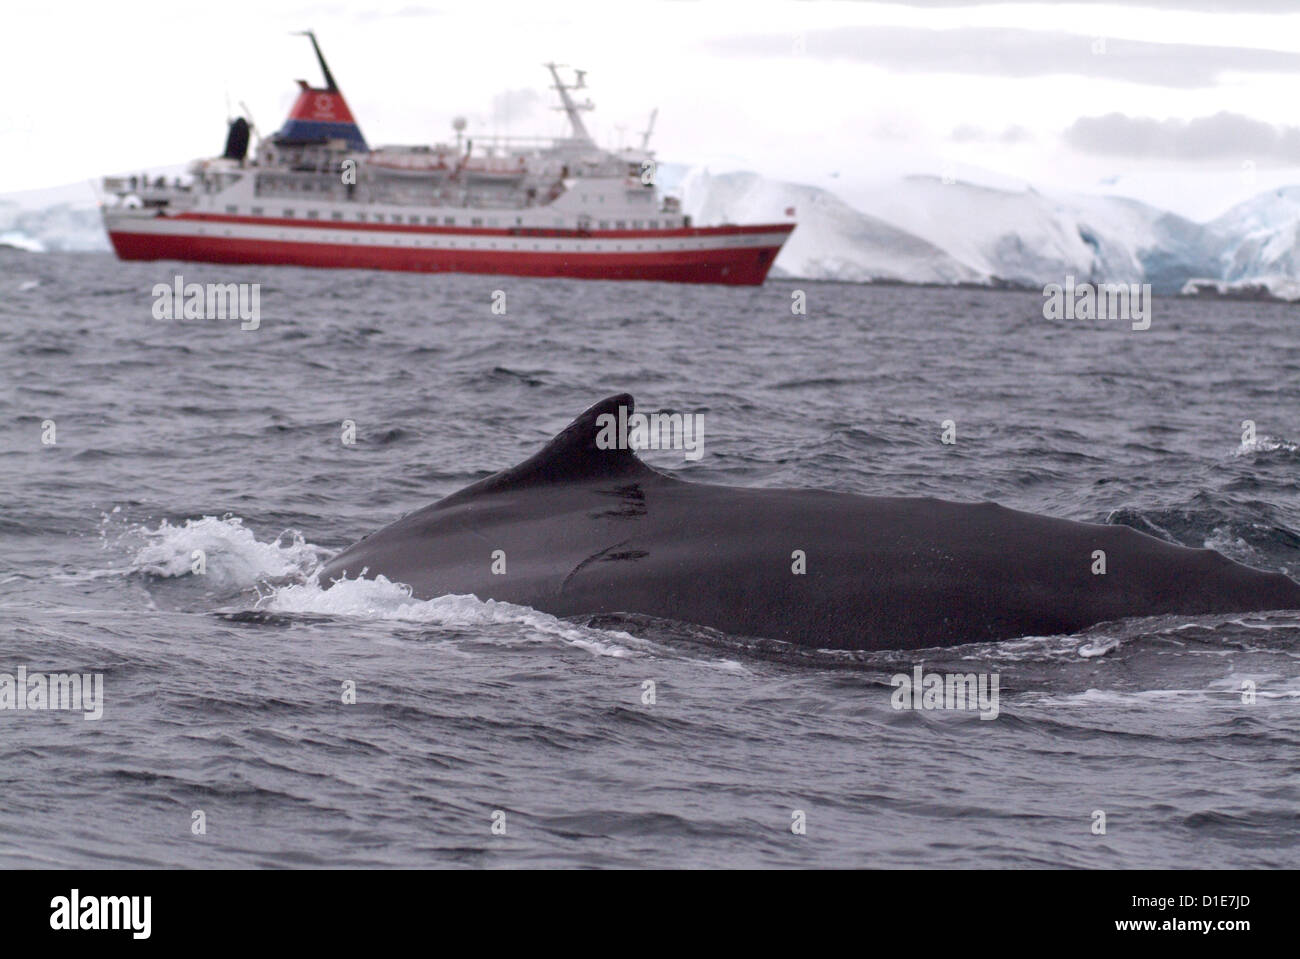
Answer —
411 164
493 171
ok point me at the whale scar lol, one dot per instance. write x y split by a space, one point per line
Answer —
607 554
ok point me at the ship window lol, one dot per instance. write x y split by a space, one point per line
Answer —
492 221
636 224
232 209
449 221
288 212
257 211
379 218
336 215
431 220
654 224
620 224
415 219
306 187
313 214
519 221
604 224
361 216
476 221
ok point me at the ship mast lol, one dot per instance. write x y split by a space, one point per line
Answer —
650 128
572 109
324 67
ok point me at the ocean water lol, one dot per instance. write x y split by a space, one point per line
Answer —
223 692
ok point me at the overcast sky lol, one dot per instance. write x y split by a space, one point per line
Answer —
1189 104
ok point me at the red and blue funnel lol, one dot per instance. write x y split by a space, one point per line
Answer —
320 113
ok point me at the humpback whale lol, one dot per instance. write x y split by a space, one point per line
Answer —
579 529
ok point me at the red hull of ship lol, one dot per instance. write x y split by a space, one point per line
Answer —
739 266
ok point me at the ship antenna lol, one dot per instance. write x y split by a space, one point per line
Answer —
650 128
249 115
574 110
324 67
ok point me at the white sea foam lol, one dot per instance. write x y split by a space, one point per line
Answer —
382 599
236 559
1223 541
1061 647
232 555
1265 444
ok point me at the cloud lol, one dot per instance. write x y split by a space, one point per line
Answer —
1224 135
1012 52
408 12
968 133
1197 6
513 106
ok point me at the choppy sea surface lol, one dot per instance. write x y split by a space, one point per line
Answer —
223 692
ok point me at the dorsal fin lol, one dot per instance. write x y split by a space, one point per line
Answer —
571 456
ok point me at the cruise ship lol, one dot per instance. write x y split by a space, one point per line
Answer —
316 194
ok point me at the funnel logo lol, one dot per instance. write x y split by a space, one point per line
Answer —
323 107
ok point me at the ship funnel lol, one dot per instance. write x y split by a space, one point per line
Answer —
320 113
237 140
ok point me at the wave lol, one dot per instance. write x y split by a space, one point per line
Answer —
1224 692
381 599
1266 444
231 554
283 571
1254 537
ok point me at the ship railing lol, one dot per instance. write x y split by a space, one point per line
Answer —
149 192
305 186
498 139
323 184
141 184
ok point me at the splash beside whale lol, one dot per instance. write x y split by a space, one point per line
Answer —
578 530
